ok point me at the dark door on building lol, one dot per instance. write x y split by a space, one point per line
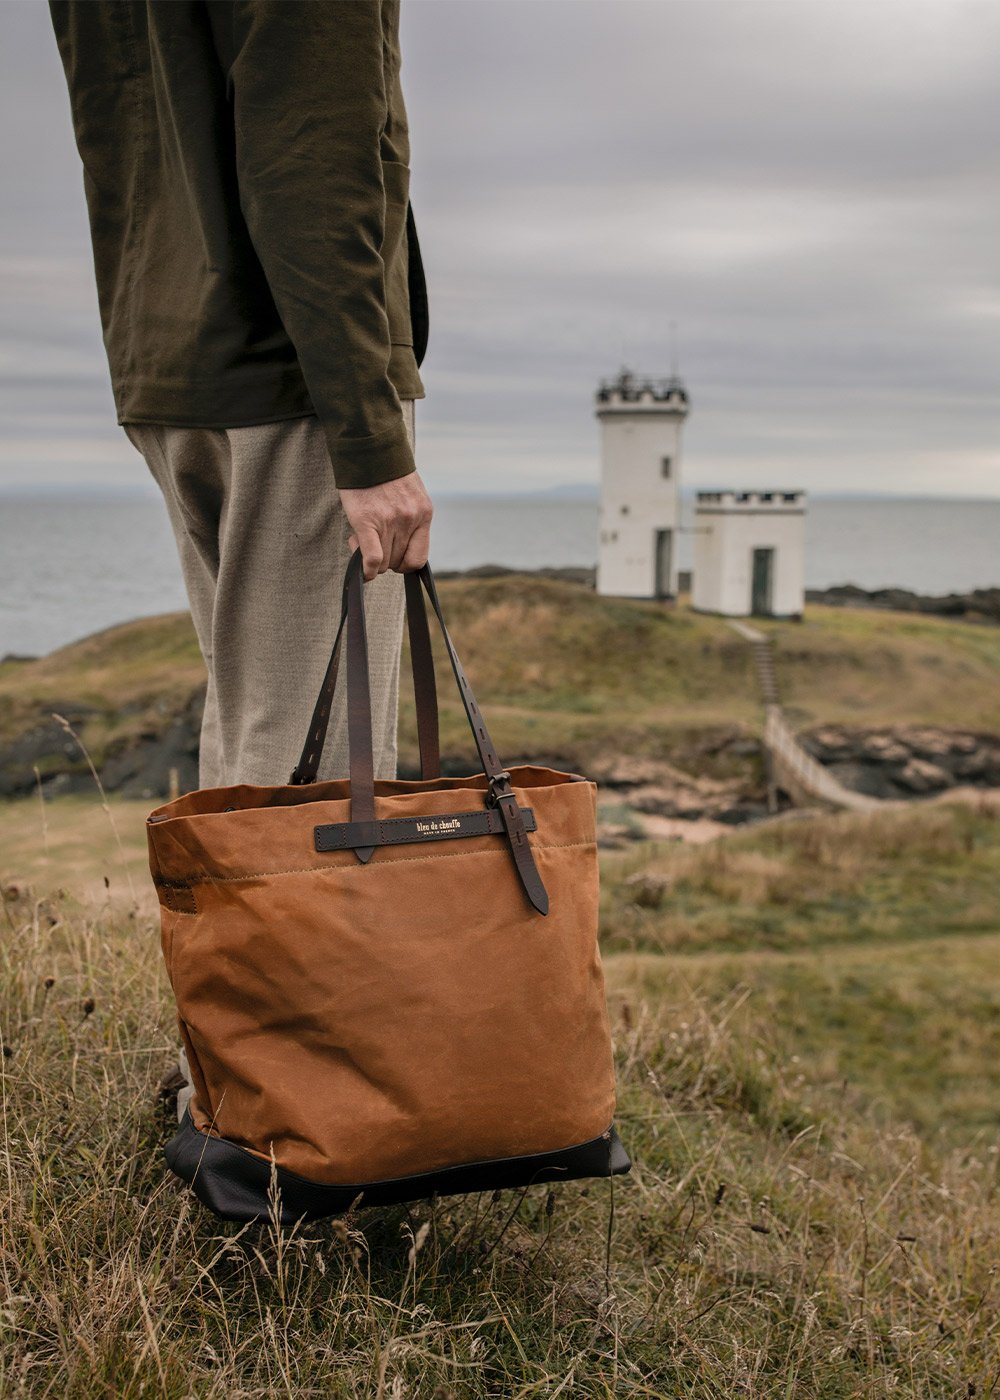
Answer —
762 585
663 548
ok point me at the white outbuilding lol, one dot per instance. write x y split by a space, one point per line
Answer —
749 553
641 421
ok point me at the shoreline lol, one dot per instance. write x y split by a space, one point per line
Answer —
978 606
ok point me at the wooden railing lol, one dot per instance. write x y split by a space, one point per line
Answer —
790 767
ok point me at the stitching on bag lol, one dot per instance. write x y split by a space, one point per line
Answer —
358 868
175 895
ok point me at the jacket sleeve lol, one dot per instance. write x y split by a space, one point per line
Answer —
308 87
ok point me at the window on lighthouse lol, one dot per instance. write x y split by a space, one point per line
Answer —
665 463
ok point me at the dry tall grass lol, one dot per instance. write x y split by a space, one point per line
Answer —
776 1237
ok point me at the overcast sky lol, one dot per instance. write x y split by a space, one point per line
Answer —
810 191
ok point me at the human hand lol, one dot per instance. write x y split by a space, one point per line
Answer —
391 524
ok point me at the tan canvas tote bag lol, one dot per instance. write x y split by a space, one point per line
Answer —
386 989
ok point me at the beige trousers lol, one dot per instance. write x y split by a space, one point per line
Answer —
262 540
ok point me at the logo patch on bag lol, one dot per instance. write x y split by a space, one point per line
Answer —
445 824
393 831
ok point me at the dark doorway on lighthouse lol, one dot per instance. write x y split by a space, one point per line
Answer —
662 557
762 584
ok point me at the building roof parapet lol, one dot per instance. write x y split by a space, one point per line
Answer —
629 388
775 500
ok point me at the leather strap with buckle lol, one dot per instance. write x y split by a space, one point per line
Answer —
499 795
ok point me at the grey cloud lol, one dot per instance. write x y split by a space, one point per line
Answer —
808 190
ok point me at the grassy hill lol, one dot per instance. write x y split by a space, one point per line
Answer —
562 672
807 1026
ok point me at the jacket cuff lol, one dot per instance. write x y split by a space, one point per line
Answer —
368 461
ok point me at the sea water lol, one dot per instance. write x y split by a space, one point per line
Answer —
74 561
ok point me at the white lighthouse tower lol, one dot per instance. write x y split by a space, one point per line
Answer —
641 421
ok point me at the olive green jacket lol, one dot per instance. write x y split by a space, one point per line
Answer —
246 168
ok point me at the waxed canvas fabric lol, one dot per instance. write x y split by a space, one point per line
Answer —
355 1022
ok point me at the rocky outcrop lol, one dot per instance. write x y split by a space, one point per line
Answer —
137 766
143 768
981 605
568 573
656 788
906 762
48 747
717 778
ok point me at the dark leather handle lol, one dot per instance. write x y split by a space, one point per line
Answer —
500 794
424 684
499 791
424 691
359 704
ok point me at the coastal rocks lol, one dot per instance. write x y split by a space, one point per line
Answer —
568 573
143 765
919 776
652 787
48 747
980 605
628 771
906 762
145 770
157 758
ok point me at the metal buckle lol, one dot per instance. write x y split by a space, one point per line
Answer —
493 796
